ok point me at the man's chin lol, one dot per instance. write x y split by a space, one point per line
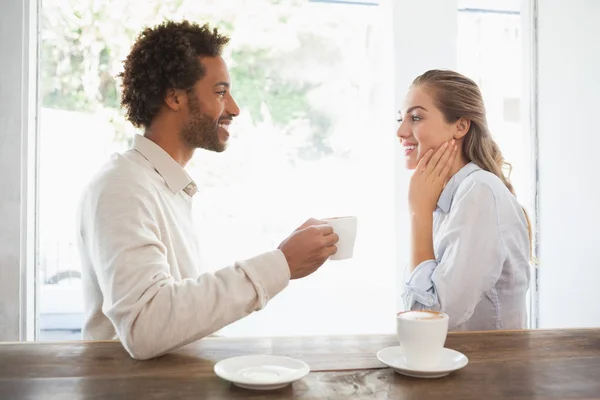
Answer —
215 147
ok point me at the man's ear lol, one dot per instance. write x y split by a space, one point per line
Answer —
462 128
174 99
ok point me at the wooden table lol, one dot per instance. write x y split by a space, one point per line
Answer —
554 364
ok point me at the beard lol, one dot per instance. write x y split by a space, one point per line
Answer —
201 131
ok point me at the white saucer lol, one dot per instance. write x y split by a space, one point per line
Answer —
261 372
452 360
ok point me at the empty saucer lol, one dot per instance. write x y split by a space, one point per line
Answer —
261 372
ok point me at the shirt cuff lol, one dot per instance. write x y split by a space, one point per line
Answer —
269 273
419 287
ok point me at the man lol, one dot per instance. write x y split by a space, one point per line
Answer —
140 264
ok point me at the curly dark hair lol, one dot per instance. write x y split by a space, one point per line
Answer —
165 57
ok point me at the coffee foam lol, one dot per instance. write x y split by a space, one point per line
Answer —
421 315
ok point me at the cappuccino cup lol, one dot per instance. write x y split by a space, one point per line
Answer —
422 335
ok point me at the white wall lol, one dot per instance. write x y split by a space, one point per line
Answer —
569 147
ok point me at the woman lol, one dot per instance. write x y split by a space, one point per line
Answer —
470 246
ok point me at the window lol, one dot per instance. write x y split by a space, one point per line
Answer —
308 143
495 62
512 109
316 81
490 51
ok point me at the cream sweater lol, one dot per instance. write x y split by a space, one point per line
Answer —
141 272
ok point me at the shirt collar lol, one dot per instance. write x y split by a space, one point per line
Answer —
445 200
175 176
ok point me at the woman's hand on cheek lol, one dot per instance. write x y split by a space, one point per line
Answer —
430 177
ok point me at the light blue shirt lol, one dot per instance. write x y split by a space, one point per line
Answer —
481 272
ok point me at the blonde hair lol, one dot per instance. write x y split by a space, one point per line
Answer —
457 96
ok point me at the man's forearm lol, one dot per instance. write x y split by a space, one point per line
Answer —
168 314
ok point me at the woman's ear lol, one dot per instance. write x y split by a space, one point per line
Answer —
462 127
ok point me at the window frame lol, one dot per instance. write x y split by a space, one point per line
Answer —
19 161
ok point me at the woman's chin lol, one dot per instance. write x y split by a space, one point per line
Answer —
410 165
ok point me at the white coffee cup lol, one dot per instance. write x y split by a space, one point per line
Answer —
422 335
345 227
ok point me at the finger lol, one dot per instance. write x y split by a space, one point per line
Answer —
435 158
310 222
332 250
424 160
445 159
324 229
330 240
445 174
328 251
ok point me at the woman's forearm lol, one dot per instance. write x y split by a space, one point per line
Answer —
421 239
